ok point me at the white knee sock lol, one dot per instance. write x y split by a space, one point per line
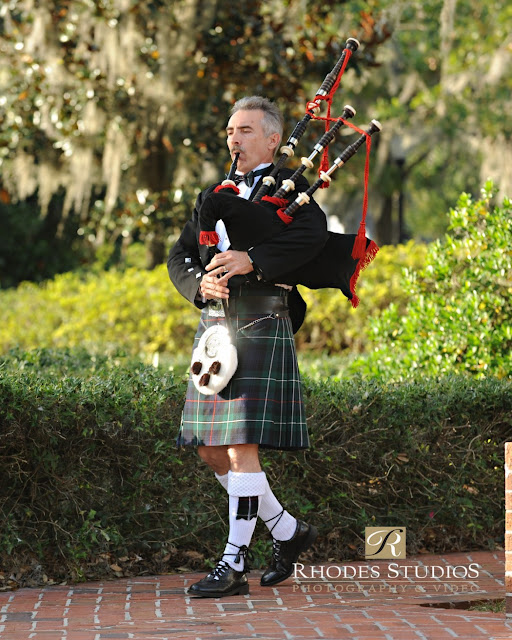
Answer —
223 479
282 528
280 523
245 490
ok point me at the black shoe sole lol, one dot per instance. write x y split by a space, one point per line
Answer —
242 590
312 536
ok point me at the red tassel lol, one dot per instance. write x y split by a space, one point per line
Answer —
284 216
362 263
221 187
280 202
359 248
211 238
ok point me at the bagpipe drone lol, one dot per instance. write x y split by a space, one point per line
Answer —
250 223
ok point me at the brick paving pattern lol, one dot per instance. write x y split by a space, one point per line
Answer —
408 607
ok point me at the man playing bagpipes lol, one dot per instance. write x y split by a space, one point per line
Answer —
240 261
262 404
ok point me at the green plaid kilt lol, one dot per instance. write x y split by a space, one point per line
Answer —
262 404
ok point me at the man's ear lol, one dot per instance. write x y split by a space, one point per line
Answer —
274 141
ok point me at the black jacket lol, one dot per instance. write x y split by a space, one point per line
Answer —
303 239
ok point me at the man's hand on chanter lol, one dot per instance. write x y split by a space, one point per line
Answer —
229 263
221 268
211 289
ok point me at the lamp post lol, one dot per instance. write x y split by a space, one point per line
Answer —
397 152
400 163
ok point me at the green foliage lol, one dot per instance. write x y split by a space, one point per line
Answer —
36 248
121 112
459 313
437 87
419 452
135 311
495 606
80 428
332 325
140 312
91 484
449 311
124 110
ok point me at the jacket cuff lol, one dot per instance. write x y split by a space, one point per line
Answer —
199 301
257 270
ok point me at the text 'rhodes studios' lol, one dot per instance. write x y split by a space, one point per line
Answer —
391 571
384 571
386 578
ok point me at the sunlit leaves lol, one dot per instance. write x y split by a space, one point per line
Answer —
459 313
168 71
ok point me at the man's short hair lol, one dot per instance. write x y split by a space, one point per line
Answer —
272 122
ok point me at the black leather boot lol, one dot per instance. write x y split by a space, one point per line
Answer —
286 552
224 580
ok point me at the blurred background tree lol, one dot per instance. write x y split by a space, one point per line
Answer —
113 112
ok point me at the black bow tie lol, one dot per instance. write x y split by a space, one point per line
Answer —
248 178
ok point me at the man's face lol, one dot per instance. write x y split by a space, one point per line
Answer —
245 134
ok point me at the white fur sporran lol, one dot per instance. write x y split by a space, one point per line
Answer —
214 360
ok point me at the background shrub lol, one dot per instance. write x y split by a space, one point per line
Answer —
135 311
140 313
91 483
459 311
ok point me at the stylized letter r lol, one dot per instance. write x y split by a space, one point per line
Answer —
382 541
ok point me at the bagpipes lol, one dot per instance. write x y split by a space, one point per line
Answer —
249 223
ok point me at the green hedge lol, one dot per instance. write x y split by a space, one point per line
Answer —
91 483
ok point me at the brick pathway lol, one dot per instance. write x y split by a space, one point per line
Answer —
408 607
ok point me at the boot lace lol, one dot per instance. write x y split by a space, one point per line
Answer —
276 549
276 544
222 566
219 570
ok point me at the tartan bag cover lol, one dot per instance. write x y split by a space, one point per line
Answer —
262 404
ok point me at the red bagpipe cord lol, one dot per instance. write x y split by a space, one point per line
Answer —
324 163
359 249
221 187
282 203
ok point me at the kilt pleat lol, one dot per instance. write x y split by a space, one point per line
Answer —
263 402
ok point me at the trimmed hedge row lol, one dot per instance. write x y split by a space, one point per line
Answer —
91 483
